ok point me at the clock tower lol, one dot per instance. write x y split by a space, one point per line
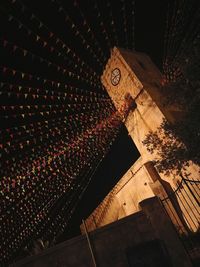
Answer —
133 82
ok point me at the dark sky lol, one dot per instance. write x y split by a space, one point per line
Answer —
150 23
145 28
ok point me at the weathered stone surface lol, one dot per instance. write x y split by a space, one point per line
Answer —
121 244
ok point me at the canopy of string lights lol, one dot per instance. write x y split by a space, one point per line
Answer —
57 122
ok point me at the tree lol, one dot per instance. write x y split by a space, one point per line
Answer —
179 143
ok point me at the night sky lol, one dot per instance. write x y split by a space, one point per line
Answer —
53 53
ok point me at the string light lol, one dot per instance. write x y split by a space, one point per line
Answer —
57 121
50 41
181 38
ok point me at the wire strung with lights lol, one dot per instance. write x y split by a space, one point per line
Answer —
57 126
182 37
57 121
53 136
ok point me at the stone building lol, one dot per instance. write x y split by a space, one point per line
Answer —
131 226
134 84
135 241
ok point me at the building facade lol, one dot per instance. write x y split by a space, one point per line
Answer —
134 84
135 241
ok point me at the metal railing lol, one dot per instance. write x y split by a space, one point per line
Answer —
183 208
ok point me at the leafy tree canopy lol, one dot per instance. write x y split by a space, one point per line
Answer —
179 143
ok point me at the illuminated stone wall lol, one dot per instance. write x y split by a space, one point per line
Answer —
140 237
142 81
137 184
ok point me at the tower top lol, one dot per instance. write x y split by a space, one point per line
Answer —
128 72
137 62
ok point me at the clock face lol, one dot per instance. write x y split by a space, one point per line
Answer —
115 76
